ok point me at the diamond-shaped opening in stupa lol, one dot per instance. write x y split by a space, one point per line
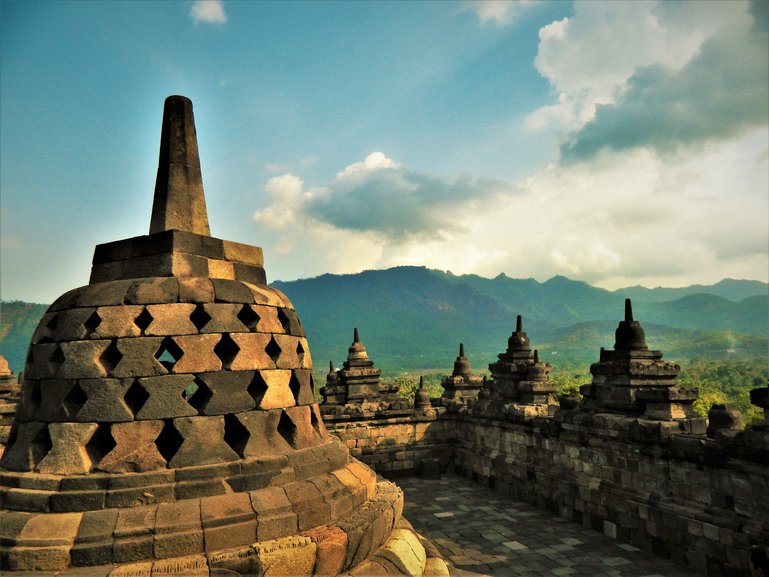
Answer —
197 394
110 358
135 397
295 386
168 353
287 428
168 441
144 320
257 388
273 350
226 349
92 323
235 434
74 401
284 321
100 444
248 317
199 317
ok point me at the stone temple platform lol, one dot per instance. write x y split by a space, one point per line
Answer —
482 533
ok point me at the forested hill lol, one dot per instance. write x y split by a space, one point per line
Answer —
414 318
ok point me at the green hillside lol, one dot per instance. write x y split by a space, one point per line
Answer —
413 318
18 320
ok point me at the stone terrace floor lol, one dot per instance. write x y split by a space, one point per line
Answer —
483 533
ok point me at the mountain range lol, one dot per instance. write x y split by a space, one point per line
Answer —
413 318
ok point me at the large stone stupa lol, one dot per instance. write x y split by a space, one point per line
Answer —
168 423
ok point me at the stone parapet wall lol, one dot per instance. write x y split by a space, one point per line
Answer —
700 502
399 445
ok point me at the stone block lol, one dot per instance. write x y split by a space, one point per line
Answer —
289 356
70 325
68 454
156 290
164 397
137 358
189 566
249 273
67 300
117 322
196 290
353 484
331 552
268 319
39 363
170 319
228 521
135 449
335 493
186 490
293 556
178 529
229 392
224 318
308 504
404 550
278 391
104 401
275 515
198 354
231 291
94 540
263 437
77 501
243 253
305 435
203 442
134 534
253 352
102 294
25 499
365 475
295 327
264 295
305 394
220 269
139 496
52 394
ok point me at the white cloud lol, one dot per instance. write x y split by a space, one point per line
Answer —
590 57
500 12
211 11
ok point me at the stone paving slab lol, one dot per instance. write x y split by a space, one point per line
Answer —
482 533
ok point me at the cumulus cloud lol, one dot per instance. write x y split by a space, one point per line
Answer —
608 53
718 94
379 196
210 11
500 12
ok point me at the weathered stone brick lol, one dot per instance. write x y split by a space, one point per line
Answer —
164 397
199 356
203 442
170 319
135 448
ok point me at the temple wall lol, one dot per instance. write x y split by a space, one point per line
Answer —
700 502
396 446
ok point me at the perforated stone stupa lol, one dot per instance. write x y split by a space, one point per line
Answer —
168 425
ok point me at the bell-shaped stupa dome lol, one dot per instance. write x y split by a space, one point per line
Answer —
168 421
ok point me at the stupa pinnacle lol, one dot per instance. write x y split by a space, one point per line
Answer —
179 203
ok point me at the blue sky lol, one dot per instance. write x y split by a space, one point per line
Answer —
618 143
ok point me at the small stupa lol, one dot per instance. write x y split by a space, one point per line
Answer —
168 424
633 380
356 391
520 386
461 385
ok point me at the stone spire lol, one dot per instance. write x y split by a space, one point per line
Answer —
461 385
462 364
629 334
634 380
179 203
